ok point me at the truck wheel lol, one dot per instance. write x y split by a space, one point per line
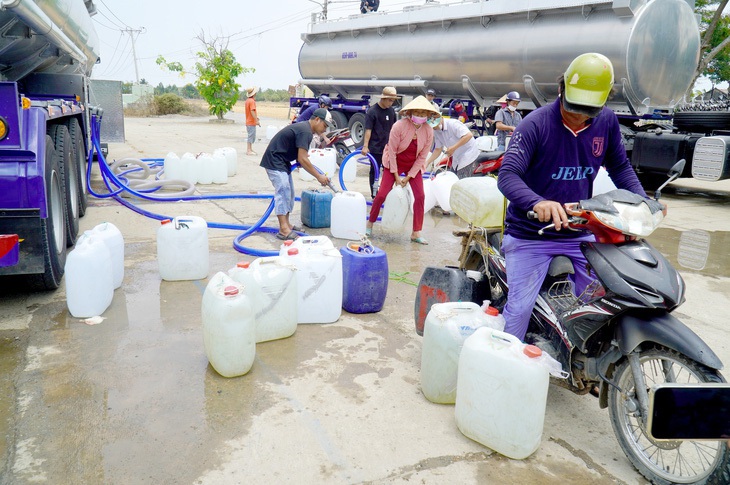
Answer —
357 128
702 121
339 119
70 173
79 156
53 227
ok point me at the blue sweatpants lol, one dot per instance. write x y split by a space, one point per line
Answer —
527 264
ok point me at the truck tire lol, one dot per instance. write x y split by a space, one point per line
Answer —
53 227
70 173
339 119
79 156
357 128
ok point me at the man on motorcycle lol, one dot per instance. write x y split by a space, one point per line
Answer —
553 157
324 102
454 139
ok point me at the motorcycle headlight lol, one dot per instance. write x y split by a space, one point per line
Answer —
634 220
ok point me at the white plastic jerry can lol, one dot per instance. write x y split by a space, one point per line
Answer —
182 248
501 393
348 215
89 278
110 235
229 327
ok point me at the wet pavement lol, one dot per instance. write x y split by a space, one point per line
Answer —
133 399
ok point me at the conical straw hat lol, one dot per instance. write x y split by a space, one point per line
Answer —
420 103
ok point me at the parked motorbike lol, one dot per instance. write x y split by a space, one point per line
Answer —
341 141
488 163
618 337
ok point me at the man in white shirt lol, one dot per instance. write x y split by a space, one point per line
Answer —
454 139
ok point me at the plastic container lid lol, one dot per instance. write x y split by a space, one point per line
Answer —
165 221
292 251
532 351
491 311
243 264
230 291
288 242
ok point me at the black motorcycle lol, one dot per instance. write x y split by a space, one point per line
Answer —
618 339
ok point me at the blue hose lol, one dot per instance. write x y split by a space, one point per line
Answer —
110 178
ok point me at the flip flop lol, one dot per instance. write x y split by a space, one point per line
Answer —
290 237
419 240
296 228
281 236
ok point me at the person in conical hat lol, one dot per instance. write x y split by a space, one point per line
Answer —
410 141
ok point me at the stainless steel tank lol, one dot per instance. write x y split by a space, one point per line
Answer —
485 49
55 36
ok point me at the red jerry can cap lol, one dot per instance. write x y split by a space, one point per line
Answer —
165 221
293 252
532 351
230 290
288 242
491 311
243 264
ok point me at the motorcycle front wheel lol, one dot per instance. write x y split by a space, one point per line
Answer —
665 462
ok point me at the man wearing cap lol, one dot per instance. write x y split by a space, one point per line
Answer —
291 143
554 155
507 119
252 118
431 95
379 119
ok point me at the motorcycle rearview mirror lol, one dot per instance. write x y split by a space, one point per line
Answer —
673 174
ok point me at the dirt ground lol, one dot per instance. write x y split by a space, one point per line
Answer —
134 400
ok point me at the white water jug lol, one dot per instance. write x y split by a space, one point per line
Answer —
348 215
501 393
110 235
319 282
307 243
396 208
205 168
271 130
189 171
487 143
231 159
89 278
442 184
429 198
271 284
182 248
219 168
173 167
446 328
323 158
229 327
478 201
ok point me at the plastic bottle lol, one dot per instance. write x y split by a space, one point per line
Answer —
396 208
501 396
446 328
229 327
89 278
182 248
204 165
110 235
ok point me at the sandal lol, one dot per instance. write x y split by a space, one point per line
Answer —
289 237
296 228
419 240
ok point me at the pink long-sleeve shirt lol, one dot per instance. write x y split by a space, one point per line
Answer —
401 135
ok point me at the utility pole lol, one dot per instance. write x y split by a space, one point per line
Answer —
131 33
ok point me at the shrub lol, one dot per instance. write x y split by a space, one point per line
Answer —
168 104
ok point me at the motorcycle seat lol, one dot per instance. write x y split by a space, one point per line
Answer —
486 156
560 265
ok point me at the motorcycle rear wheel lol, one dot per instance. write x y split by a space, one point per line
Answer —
676 462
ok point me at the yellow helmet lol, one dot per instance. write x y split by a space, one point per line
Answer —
588 82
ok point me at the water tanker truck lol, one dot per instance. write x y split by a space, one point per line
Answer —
477 51
47 51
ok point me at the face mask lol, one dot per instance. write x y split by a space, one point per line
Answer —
434 122
512 108
419 120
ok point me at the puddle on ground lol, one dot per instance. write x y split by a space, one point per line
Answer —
695 251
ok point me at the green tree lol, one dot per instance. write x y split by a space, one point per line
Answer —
715 33
189 92
217 70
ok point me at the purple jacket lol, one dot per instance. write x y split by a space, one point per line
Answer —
547 161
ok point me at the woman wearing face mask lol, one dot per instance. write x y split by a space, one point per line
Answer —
507 119
408 145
